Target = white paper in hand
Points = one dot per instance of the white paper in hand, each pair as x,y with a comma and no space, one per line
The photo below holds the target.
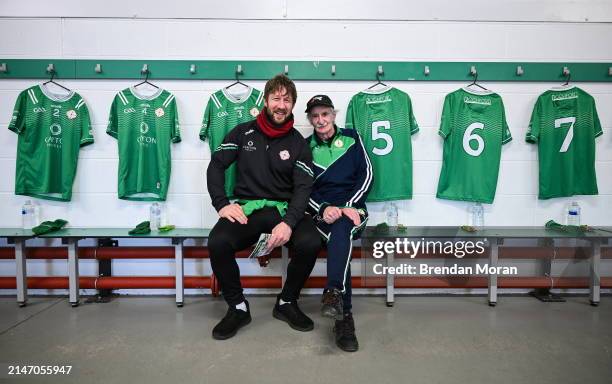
261,247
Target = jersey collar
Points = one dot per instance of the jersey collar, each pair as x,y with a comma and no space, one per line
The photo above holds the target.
145,97
55,96
234,99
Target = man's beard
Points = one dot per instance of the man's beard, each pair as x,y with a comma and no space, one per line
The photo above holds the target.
271,117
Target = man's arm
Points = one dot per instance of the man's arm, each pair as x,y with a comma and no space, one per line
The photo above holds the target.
359,193
302,187
222,157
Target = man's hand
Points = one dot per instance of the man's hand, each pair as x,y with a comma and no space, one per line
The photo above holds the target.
233,212
280,235
331,214
352,214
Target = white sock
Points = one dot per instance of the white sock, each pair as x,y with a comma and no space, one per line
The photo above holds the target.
242,306
281,302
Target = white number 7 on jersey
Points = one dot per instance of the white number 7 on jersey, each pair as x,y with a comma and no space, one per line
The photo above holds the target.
570,134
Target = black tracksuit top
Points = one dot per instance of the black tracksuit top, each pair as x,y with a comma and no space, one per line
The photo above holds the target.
266,168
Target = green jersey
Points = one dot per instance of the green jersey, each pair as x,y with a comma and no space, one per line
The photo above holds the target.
223,112
144,127
385,121
564,124
474,129
51,130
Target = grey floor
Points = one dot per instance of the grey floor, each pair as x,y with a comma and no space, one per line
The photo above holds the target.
420,340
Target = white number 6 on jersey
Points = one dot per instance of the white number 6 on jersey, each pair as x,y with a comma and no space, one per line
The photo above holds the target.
382,136
469,136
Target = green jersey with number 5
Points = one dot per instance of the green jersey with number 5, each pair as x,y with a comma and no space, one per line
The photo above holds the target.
223,113
385,121
474,129
564,124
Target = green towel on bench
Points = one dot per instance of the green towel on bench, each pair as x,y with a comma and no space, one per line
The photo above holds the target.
577,229
141,229
49,226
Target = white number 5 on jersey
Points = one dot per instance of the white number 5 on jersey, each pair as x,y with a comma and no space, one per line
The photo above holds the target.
570,133
382,136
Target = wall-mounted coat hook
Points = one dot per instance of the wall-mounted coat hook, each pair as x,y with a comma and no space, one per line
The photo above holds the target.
333,70
145,69
426,70
98,68
566,71
192,69
380,70
286,70
51,68
519,70
3,68
239,69
609,71
473,70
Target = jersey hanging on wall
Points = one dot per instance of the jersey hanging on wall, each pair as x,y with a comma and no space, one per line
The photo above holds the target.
223,112
51,130
564,124
385,121
144,127
474,129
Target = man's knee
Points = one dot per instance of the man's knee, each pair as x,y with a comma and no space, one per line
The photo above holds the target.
307,243
343,225
220,240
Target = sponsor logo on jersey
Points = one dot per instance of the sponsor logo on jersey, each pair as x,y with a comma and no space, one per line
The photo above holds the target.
55,129
143,139
476,100
254,112
249,132
144,128
339,143
71,114
39,110
249,147
159,112
565,96
54,141
377,99
129,110
222,114
284,155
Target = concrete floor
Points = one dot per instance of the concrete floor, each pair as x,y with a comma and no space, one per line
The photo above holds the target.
420,340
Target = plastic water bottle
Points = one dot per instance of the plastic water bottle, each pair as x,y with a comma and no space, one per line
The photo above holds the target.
28,215
573,214
155,216
391,212
477,211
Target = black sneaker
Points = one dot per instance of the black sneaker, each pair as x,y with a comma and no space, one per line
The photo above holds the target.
345,334
230,324
293,315
332,304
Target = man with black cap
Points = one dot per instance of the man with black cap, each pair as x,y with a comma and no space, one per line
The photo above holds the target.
343,176
273,184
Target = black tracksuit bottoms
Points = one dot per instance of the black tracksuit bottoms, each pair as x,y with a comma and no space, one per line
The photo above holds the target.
226,238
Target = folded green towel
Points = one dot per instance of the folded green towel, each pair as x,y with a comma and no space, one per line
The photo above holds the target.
141,229
381,228
166,228
250,206
49,226
551,224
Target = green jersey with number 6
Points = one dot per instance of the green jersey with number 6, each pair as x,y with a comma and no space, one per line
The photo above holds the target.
564,124
144,126
51,130
474,129
385,121
223,112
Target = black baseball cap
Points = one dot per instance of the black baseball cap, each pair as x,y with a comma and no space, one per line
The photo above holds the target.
318,100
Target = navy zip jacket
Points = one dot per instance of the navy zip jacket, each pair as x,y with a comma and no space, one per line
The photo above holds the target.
342,170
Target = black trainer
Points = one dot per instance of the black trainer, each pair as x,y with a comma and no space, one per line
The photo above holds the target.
345,334
332,304
292,315
233,320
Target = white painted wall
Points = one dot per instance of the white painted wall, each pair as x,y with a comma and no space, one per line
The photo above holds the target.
287,30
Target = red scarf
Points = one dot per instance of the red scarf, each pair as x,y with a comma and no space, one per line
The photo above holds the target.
271,129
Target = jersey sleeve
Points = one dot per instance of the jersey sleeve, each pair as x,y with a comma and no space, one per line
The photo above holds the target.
350,119
86,129
17,123
533,132
175,132
363,183
446,124
597,130
414,126
506,135
206,120
112,127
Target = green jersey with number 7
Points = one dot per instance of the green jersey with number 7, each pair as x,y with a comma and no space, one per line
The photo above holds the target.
385,121
564,124
474,129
